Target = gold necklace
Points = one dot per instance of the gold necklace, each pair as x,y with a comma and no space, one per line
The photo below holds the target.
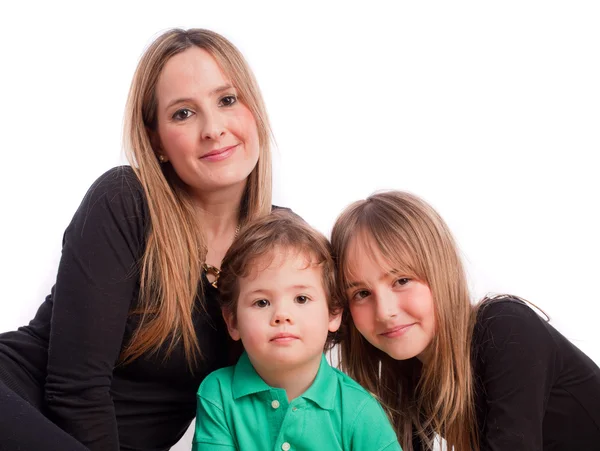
213,270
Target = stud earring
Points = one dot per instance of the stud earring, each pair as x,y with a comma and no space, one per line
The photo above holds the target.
162,158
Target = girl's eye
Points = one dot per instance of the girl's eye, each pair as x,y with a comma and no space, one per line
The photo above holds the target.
402,281
262,303
302,299
228,100
182,114
359,295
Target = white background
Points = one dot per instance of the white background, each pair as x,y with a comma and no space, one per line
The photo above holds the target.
489,111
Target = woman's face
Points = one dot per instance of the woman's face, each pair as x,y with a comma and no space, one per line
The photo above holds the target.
393,311
204,131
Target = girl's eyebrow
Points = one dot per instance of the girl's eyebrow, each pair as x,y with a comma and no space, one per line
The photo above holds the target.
352,285
385,274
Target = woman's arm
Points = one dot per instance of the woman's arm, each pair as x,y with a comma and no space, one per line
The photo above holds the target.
515,368
96,282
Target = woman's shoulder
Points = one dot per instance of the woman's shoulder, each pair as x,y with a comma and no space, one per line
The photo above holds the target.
116,198
118,188
117,180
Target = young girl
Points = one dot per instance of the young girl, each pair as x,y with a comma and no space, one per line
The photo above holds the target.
278,297
494,376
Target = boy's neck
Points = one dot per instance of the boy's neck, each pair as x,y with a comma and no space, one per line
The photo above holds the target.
294,380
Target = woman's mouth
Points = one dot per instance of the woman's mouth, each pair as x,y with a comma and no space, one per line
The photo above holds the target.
219,154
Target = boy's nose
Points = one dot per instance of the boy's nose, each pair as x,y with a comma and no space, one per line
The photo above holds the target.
281,317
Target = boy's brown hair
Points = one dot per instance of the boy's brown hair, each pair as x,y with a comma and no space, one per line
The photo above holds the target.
285,230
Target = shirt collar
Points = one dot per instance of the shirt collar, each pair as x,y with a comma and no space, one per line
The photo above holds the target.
324,389
322,392
246,380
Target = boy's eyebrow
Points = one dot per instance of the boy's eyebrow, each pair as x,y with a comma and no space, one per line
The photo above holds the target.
268,291
302,287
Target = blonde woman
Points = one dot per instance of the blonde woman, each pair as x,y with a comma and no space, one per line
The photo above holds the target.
115,354
495,376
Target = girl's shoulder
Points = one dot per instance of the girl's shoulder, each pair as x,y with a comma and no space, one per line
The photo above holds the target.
504,306
503,321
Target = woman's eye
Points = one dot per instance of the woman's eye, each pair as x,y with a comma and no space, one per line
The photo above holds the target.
301,299
228,100
262,303
182,114
402,281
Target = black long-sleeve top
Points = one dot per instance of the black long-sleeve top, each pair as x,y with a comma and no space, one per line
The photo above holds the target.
534,390
66,361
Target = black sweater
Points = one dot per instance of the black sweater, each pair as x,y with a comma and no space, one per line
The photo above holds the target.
65,362
534,389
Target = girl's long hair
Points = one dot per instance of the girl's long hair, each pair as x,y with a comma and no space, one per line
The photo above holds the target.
175,247
430,400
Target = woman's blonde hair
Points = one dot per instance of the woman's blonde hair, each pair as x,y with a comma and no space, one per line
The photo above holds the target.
433,399
175,246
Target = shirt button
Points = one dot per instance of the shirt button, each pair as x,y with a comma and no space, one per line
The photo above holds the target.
275,405
286,446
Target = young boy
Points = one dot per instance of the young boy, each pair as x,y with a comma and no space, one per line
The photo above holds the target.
278,297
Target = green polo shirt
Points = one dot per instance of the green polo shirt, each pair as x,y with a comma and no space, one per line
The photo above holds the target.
237,410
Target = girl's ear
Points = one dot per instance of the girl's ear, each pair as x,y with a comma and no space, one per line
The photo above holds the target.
231,324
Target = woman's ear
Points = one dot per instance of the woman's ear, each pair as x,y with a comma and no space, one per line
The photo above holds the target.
156,145
229,318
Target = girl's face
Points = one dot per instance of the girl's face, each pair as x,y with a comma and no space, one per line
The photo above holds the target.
208,135
393,311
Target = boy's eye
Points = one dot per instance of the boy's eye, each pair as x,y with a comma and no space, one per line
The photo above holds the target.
182,114
302,299
228,100
262,303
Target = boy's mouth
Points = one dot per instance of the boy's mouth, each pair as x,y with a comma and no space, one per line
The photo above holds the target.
283,337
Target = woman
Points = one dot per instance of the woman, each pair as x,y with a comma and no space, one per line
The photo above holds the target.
494,376
114,356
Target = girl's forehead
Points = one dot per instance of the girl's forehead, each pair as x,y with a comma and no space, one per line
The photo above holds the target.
361,247
364,252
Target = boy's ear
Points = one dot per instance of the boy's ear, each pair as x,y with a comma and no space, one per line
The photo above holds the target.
231,324
335,320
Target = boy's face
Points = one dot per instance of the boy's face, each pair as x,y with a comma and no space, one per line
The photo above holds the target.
282,313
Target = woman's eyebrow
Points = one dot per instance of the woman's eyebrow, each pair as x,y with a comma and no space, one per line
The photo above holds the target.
215,91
